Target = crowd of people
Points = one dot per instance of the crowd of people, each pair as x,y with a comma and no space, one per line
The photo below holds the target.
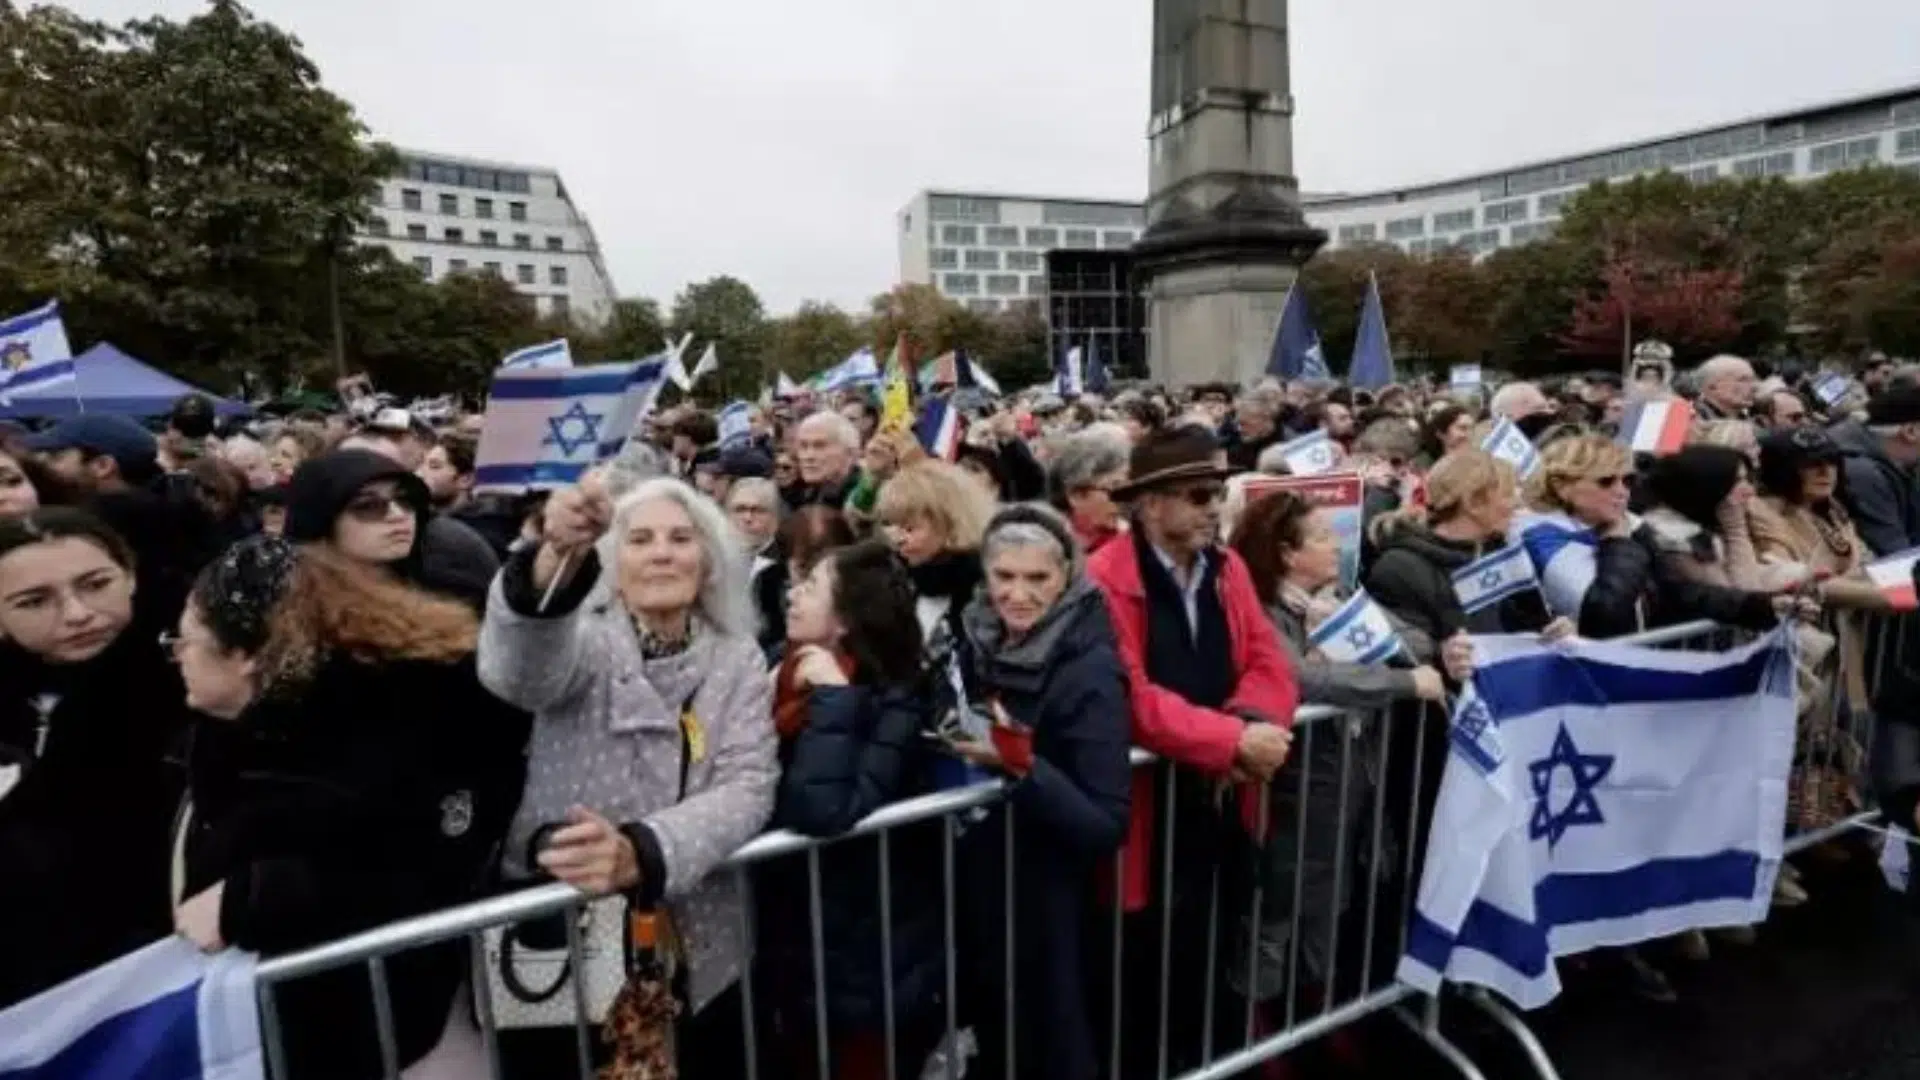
266,686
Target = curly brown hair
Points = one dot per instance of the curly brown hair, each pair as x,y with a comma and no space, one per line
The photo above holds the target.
335,606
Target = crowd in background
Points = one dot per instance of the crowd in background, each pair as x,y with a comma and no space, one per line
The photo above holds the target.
266,686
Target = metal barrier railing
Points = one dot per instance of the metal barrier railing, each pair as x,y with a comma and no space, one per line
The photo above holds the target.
1300,930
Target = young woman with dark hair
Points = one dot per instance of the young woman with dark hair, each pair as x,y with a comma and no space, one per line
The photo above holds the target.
348,771
89,708
850,708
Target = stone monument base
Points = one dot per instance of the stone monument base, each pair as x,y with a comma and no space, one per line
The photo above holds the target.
1214,322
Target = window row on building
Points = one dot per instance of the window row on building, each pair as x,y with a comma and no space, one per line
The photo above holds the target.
425,171
524,274
449,205
1006,236
991,284
983,259
454,234
983,210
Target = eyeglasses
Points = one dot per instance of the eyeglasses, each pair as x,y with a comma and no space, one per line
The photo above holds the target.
371,509
1204,496
1615,480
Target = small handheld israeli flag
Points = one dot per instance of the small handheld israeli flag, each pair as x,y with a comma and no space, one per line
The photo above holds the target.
1358,633
34,350
1508,443
736,423
543,429
1831,387
1490,579
1464,377
1310,454
552,355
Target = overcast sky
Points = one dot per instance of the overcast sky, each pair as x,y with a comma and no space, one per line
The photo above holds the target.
775,139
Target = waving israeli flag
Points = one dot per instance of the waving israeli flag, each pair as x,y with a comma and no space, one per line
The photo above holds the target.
543,429
860,369
552,355
1490,579
1310,454
166,1011
1600,795
1565,557
1511,445
1358,633
736,423
34,350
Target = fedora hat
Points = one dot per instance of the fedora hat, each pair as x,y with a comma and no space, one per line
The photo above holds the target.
1173,456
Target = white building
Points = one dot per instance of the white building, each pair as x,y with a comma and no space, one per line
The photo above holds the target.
978,245
989,251
448,214
1512,206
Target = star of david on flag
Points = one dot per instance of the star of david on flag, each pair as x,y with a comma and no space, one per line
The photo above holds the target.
1358,633
34,350
1581,807
543,428
1508,443
1310,454
1492,578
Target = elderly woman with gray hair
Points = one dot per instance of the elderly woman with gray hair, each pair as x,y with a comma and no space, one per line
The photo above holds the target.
1084,469
1043,663
653,752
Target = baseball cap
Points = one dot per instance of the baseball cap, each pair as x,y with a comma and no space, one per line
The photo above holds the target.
1897,404
130,446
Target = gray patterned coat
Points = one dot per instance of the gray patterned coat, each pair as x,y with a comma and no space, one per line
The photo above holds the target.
606,735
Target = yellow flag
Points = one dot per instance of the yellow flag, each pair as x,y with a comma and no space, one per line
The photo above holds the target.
896,399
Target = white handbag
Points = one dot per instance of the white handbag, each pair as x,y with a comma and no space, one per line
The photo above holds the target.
532,987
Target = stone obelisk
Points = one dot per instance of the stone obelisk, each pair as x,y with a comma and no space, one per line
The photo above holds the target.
1225,237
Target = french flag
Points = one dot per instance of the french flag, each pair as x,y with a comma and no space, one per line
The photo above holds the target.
167,1012
1657,427
1893,576
938,428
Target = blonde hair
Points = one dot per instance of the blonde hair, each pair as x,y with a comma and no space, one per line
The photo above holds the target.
1454,482
334,605
1566,461
944,495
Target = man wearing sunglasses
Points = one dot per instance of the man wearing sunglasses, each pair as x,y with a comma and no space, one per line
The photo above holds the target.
1211,693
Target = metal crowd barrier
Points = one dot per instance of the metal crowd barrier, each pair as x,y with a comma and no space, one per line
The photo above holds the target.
1275,968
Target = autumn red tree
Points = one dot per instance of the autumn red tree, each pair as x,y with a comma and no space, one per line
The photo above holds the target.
1695,311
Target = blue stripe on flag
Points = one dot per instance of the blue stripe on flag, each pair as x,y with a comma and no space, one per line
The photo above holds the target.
159,1040
527,475
1573,899
26,322
53,371
1545,680
582,381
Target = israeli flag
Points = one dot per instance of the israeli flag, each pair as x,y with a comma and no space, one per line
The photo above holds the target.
1600,795
167,1012
34,351
554,354
860,369
542,429
1508,443
1565,557
1490,579
1358,633
1069,374
1831,387
736,423
1310,454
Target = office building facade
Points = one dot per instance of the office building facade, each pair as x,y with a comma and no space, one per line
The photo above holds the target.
1479,214
990,251
961,242
446,215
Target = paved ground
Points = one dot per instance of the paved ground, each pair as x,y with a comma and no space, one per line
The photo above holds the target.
1830,992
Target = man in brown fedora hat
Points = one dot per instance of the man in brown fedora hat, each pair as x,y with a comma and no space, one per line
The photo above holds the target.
1211,694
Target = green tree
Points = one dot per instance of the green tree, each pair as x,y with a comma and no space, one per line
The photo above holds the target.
1019,354
181,186
727,313
635,329
811,340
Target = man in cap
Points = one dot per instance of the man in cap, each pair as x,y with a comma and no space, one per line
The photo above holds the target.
1211,693
1878,485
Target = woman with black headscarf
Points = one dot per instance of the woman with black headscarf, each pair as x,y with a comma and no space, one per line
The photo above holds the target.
1697,513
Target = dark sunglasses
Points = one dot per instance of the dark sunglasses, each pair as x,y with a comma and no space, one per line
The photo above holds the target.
1616,480
1204,496
372,508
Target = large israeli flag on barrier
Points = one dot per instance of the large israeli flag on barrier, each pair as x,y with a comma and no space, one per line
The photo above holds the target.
1601,795
167,1012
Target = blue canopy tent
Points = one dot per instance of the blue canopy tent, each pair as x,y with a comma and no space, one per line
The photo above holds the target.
107,380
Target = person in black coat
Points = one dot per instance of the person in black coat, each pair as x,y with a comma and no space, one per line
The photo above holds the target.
1042,658
348,771
851,710
90,707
